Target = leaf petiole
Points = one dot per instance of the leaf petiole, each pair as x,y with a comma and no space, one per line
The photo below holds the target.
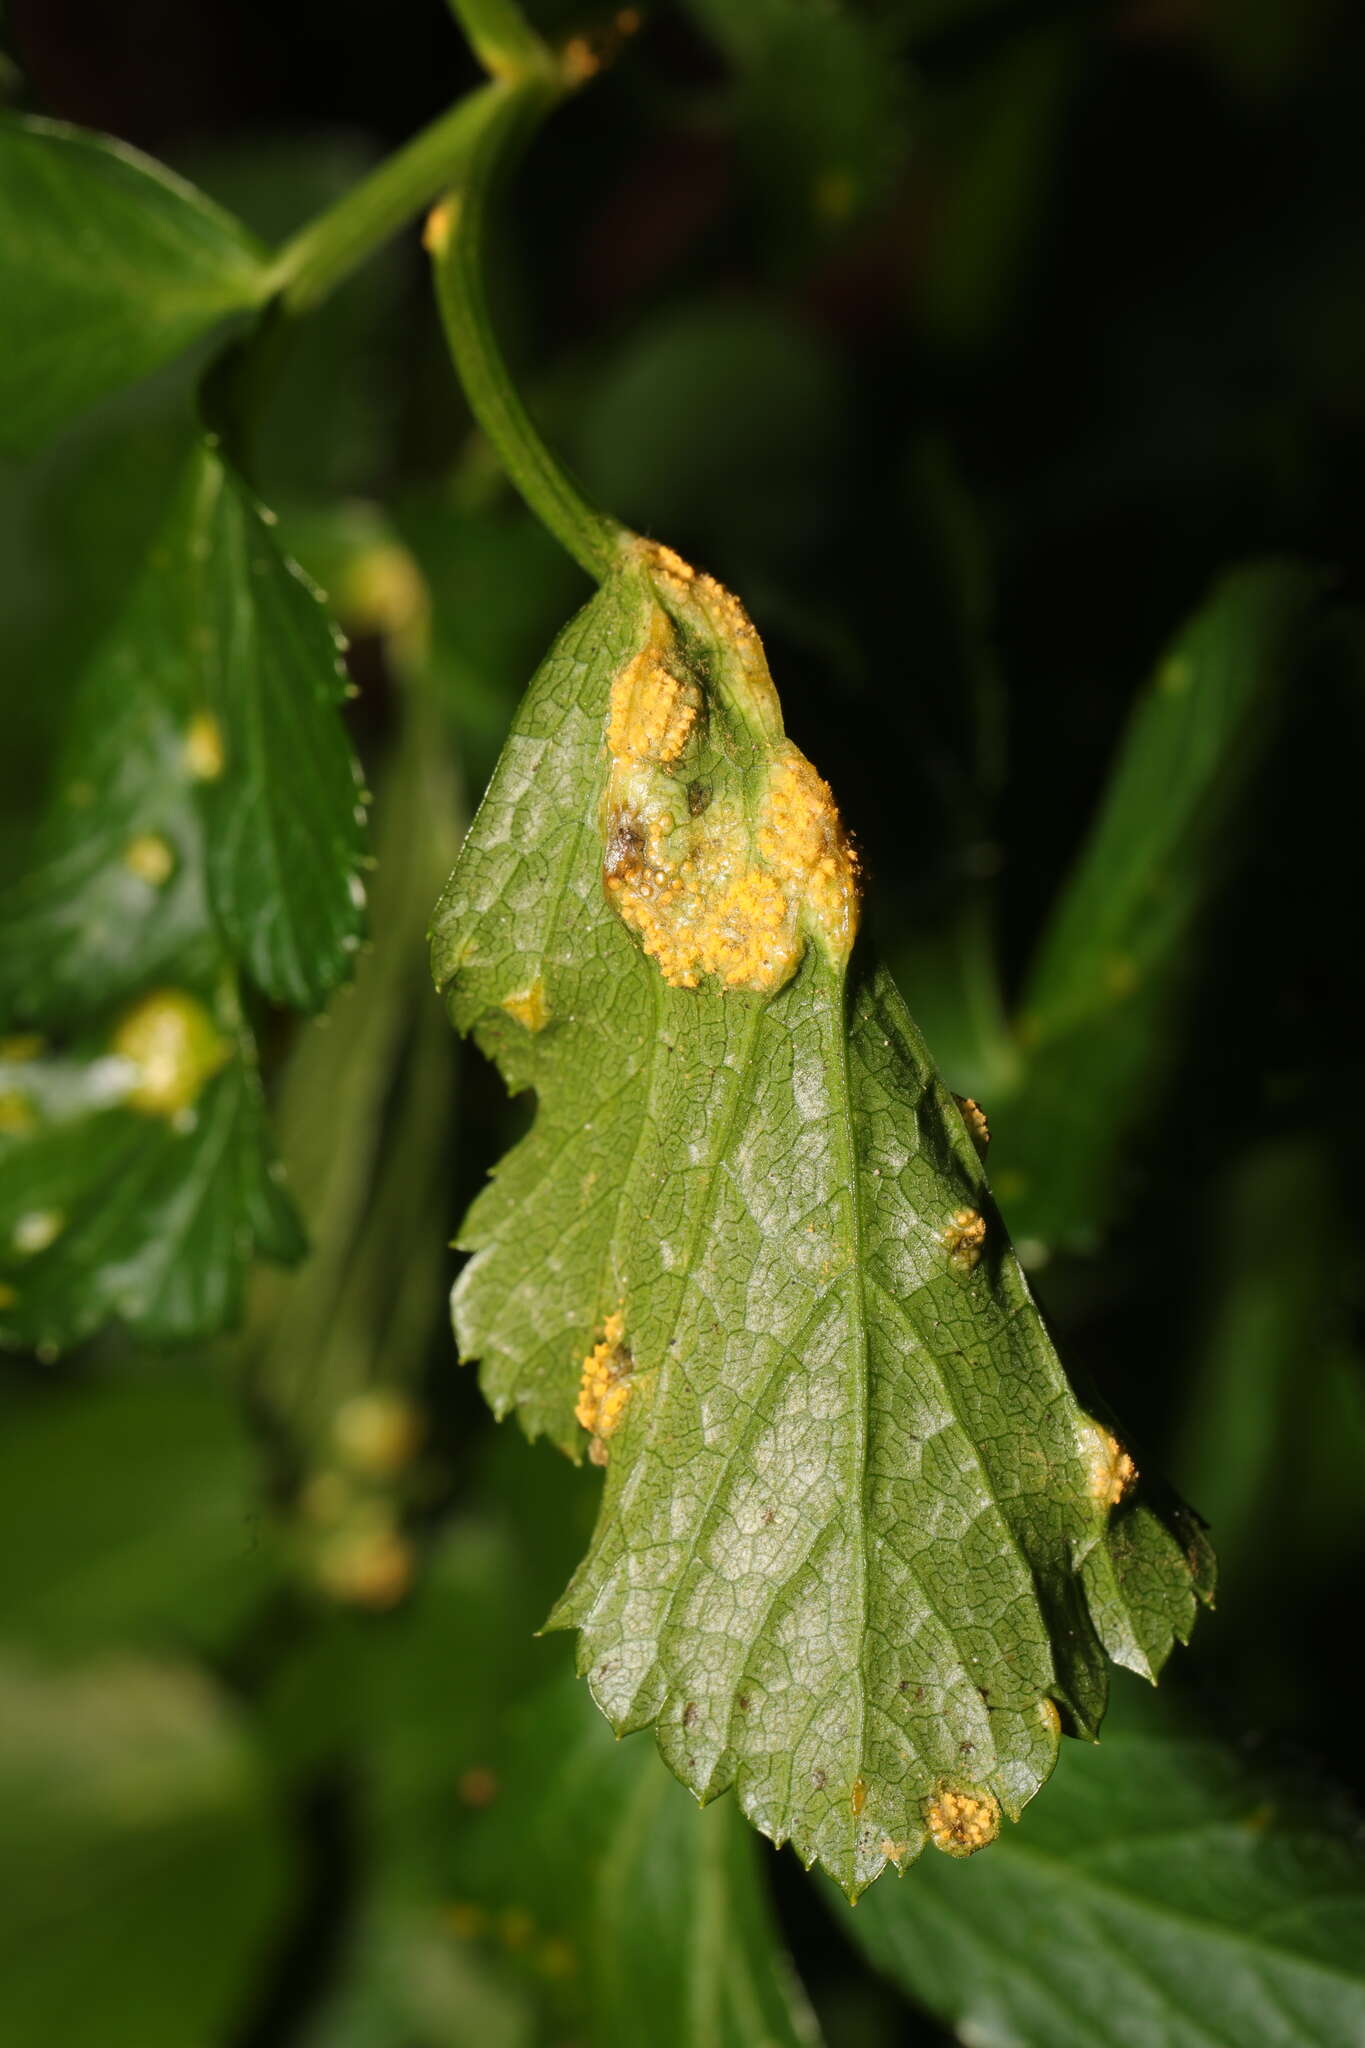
314,261
503,40
455,237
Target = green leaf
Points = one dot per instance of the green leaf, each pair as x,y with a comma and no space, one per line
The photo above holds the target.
1095,1015
76,523
109,265
637,1902
145,1206
139,1500
113,892
335,1354
407,1980
505,1825
747,1248
1169,1889
205,818
285,821
206,788
325,403
142,1869
1274,1364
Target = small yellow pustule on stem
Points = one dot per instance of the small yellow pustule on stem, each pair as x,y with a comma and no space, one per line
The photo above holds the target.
439,225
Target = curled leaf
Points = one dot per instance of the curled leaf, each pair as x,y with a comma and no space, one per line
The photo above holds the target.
747,1253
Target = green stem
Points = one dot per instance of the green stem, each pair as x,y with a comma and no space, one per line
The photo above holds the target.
457,240
501,38
314,261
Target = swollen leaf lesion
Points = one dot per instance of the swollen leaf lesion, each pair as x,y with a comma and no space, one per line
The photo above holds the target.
858,1537
724,852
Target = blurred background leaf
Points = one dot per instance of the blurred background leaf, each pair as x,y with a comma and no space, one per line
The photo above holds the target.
822,106
1097,1025
143,1866
136,1493
109,266
1164,1888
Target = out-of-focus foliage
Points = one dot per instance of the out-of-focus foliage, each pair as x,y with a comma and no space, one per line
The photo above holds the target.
625,1849
144,1869
1096,1024
110,266
204,825
1226,1896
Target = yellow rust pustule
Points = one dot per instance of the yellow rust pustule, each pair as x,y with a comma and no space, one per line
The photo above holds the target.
734,886
151,858
961,1821
964,1237
173,1047
1110,1469
605,1387
653,710
204,752
974,1117
529,1006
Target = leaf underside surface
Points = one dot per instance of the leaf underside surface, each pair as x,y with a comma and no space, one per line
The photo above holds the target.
860,1550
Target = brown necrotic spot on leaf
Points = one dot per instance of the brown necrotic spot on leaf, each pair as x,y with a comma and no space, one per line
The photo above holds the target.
962,1820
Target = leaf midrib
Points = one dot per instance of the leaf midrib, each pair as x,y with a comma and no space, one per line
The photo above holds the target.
838,1067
